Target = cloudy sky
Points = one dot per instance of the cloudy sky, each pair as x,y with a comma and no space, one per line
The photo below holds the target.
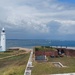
38,19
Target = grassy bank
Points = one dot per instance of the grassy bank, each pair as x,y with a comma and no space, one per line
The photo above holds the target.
45,68
14,65
44,48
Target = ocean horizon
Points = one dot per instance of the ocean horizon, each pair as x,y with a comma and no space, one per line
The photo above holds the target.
30,43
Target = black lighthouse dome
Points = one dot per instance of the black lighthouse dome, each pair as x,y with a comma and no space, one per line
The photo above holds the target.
3,30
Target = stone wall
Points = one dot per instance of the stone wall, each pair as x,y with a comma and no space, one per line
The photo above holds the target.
47,53
65,51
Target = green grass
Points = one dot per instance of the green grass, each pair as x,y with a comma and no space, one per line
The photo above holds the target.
67,61
44,48
4,55
14,65
45,68
10,52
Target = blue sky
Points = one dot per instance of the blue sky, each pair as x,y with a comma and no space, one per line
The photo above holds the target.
67,1
38,19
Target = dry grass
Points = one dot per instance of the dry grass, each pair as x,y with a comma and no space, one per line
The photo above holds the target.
13,65
45,68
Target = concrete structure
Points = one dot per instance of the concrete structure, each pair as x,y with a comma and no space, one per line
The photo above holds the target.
66,51
3,41
55,53
29,65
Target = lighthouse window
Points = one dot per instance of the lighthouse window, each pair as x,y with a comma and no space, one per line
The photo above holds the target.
3,31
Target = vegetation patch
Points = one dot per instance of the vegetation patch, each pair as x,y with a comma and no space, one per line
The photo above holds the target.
52,55
44,48
14,65
45,68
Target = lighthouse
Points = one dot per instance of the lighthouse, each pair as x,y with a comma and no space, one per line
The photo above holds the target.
3,40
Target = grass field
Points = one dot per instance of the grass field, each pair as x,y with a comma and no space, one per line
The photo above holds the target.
45,68
14,65
9,53
4,55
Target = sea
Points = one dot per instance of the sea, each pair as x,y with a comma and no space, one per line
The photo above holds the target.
30,43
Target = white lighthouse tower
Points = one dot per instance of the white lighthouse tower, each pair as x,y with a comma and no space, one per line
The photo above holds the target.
3,40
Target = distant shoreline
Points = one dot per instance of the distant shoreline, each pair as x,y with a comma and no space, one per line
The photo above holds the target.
30,43
25,48
20,48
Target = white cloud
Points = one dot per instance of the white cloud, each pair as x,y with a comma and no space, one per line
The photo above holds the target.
34,16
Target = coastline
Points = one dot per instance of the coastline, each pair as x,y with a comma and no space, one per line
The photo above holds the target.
30,49
73,48
20,48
